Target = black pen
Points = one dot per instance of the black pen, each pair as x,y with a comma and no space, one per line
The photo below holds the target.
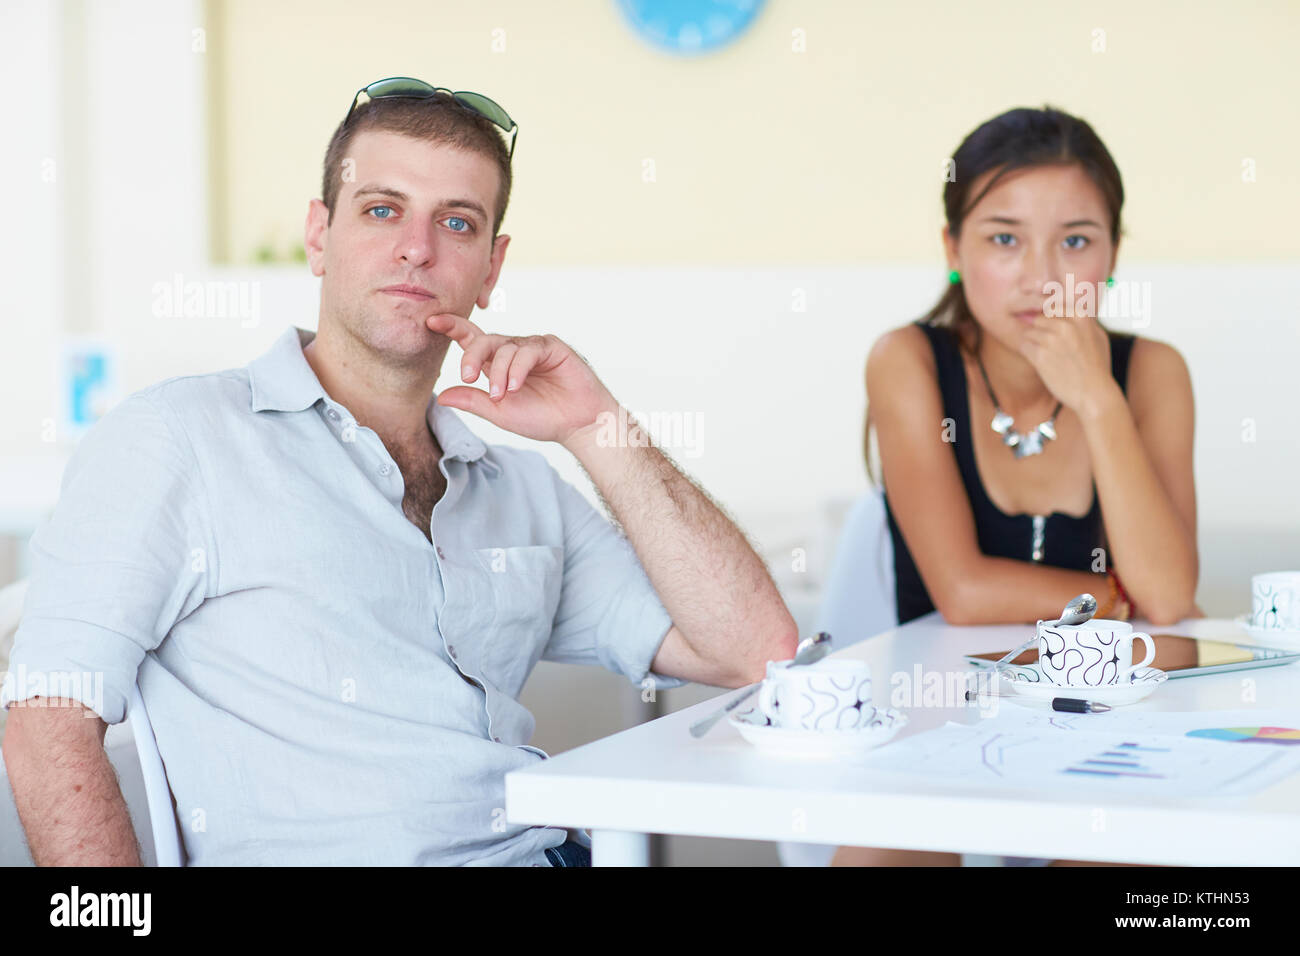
1072,706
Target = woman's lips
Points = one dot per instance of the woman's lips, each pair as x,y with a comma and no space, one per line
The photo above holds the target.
1028,317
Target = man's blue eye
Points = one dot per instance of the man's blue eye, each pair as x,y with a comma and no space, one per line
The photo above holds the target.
1081,245
999,236
377,208
463,222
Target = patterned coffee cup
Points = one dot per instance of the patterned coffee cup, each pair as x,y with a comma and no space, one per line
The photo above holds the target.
1095,653
1275,600
828,695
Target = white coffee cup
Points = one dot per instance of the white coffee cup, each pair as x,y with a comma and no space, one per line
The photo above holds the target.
832,694
1275,601
1095,653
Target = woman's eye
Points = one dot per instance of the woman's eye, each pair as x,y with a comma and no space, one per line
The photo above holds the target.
457,224
1083,241
1010,238
378,209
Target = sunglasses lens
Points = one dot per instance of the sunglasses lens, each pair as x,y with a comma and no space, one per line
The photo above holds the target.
399,86
485,107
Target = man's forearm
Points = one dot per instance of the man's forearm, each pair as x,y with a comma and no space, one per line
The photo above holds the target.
65,790
715,587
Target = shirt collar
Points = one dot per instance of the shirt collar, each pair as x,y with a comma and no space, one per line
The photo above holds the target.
454,437
282,380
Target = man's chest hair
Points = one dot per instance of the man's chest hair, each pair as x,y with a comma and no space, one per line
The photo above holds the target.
421,477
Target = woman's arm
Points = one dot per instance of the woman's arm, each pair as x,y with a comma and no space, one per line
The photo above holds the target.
1142,463
928,500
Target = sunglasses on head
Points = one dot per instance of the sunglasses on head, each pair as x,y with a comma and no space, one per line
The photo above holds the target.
405,86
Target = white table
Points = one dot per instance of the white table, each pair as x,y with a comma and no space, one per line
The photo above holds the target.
657,778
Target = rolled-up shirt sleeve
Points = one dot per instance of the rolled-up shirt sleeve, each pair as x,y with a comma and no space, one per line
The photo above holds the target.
609,614
125,554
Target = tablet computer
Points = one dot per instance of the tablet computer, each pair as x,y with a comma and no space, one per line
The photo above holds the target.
1181,656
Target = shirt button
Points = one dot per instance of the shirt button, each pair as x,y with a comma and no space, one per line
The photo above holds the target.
497,739
385,469
333,414
440,554
451,650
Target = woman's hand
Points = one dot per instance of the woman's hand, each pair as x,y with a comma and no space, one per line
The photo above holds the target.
1072,357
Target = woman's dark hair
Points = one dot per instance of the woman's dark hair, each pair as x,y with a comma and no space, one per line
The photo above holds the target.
1016,139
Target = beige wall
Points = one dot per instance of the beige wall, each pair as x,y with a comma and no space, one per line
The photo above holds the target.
768,156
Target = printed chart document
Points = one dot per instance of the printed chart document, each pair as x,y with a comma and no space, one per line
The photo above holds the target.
1155,753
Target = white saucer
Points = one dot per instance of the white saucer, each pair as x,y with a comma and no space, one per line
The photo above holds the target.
1028,681
1269,636
787,741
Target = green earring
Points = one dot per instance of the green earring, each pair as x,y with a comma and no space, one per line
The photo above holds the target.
1110,280
954,277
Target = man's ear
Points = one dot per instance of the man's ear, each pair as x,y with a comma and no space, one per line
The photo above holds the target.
315,233
498,259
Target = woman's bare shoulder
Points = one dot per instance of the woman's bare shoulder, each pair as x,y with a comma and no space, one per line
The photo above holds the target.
1155,357
898,356
1157,373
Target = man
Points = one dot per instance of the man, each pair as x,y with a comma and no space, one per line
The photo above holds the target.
330,591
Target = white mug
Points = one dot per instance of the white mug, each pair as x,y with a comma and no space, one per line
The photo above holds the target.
828,695
1275,600
1095,653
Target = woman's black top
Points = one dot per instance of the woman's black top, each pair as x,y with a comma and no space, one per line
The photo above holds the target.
1056,539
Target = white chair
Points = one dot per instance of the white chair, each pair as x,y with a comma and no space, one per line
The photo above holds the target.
11,612
859,598
162,811
130,747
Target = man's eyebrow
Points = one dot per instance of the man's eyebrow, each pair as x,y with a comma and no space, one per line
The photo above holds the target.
1073,224
374,189
469,204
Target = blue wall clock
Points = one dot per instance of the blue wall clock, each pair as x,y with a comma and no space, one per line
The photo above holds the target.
690,26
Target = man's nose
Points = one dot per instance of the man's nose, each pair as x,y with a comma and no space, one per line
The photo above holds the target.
416,245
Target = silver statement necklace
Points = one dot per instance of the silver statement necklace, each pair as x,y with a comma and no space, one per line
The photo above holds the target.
1023,444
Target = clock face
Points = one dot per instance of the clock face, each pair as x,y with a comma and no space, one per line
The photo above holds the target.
690,26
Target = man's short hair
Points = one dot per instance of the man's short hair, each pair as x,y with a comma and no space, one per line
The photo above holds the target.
437,119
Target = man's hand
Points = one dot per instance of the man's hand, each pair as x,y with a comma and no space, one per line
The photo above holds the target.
538,386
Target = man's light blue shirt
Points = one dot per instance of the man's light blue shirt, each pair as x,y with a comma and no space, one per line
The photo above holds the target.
326,686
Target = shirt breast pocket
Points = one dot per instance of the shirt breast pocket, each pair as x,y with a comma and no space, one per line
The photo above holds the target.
525,586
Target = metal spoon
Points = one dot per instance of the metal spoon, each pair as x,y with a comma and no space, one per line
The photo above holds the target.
810,650
1080,609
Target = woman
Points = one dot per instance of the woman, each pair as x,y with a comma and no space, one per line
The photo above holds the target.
1029,454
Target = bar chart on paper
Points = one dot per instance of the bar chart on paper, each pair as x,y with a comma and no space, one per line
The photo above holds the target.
1153,754
1127,759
